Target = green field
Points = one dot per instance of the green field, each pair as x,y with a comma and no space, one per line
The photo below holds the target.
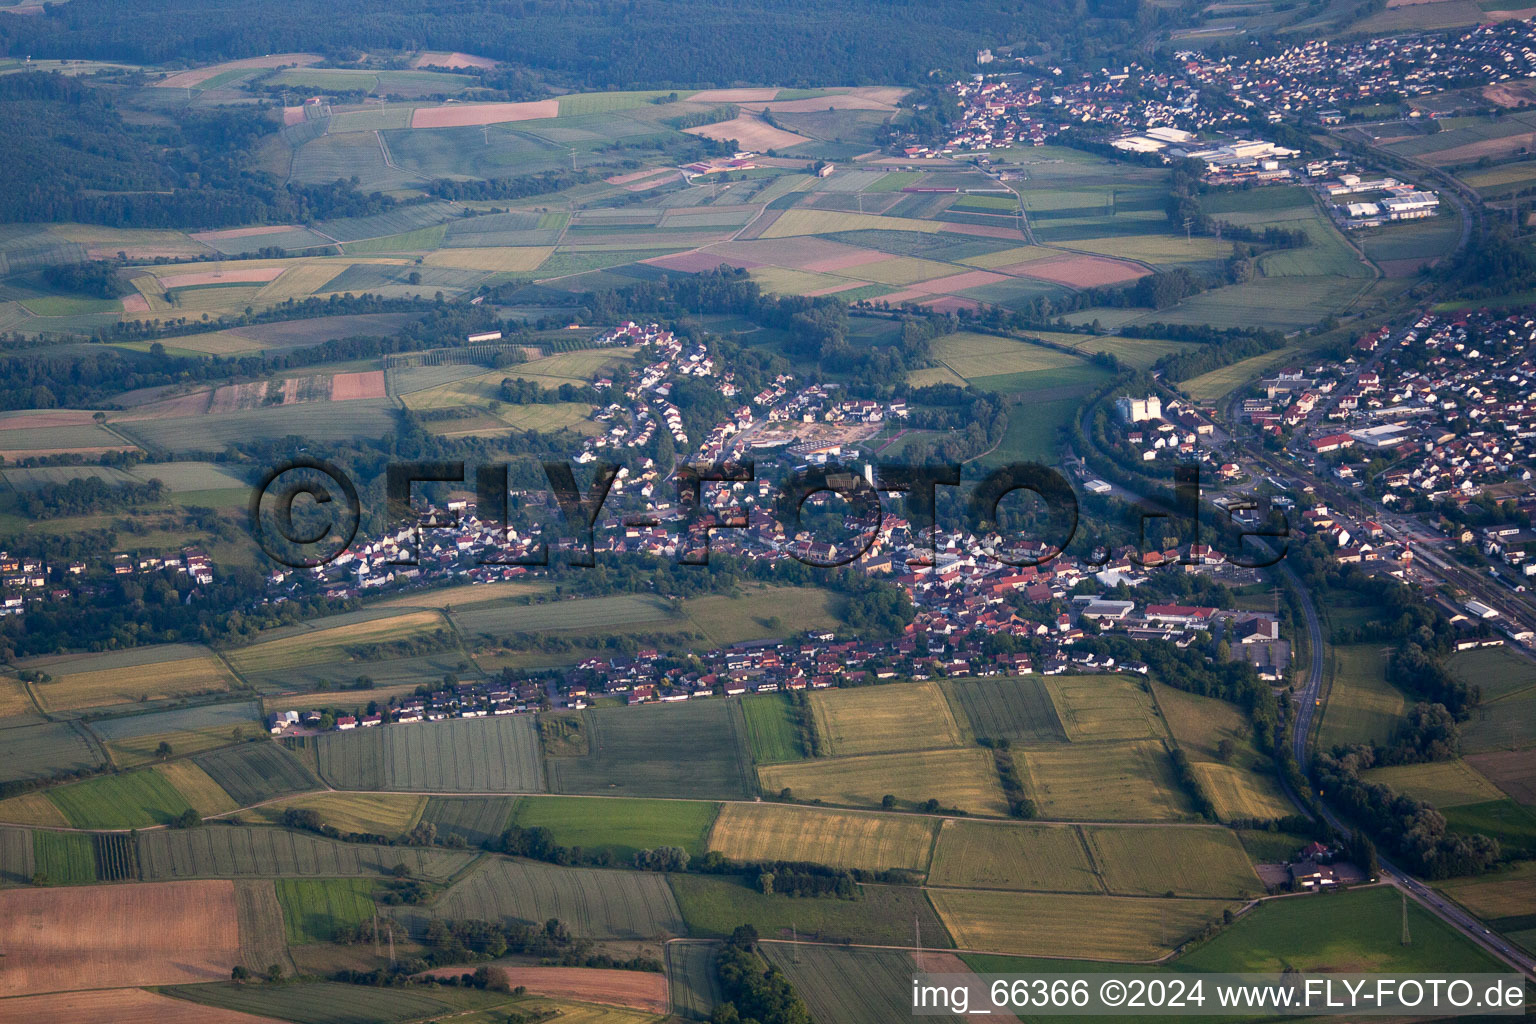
64,858
882,915
130,800
635,752
1512,825
253,772
987,855
635,905
315,909
1442,783
228,851
620,827
485,755
1362,707
1496,671
772,729
841,839
850,986
326,1002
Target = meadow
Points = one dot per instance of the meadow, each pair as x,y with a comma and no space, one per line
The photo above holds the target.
321,642
841,839
1494,670
128,800
965,779
773,733
1505,724
487,755
1362,707
316,909
1108,782
849,986
231,851
633,752
1191,861
1104,707
884,719
995,855
620,827
1442,783
44,750
634,905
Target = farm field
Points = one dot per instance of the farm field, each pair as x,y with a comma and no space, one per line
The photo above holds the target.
1506,724
1109,781
135,739
1138,352
1104,707
253,772
621,827
1496,671
883,915
1362,706
1194,861
129,800
315,909
773,733
1239,793
1442,783
17,856
1199,723
840,839
64,858
1505,900
632,752
692,983
983,355
486,755
329,1002
988,855
595,903
1511,770
852,986
44,750
1016,708
475,820
884,719
964,779
320,642
230,851
151,933
384,814
121,1005
1512,825
32,809
120,677
1088,927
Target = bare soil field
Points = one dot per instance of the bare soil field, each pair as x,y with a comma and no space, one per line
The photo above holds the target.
238,275
642,990
459,115
121,1005
699,262
148,933
348,387
1082,271
749,133
190,79
135,303
1513,771
959,282
733,95
1506,145
838,101
263,229
451,60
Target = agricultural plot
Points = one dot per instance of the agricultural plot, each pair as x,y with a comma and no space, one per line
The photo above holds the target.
314,421
1506,724
120,677
965,779
322,641
476,820
1138,352
1088,927
380,814
635,905
329,158
696,749
1110,782
882,915
64,858
230,851
884,719
1494,670
1200,723
1362,707
117,935
981,355
135,739
1505,899
116,860
692,983
329,1002
32,809
1284,303
40,751
1442,783
316,909
851,986
1191,861
129,800
17,863
125,1005
773,732
1104,707
1239,794
620,827
994,855
487,755
840,839
253,772
1512,825
1513,771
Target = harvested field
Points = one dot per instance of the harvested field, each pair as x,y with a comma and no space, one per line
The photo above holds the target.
1441,783
192,79
634,752
862,986
692,983
839,839
1104,707
1079,271
1241,794
1016,708
122,677
1081,927
348,387
230,851
196,787
733,95
233,275
382,814
134,739
594,903
473,819
263,939
459,115
487,755
501,260
1196,861
40,751
1111,782
149,933
434,59
749,133
1513,771
637,989
883,914
319,643
32,809
964,778
882,719
120,1005
994,855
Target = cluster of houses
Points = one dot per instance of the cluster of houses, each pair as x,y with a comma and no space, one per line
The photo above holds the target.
25,580
1155,428
462,700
